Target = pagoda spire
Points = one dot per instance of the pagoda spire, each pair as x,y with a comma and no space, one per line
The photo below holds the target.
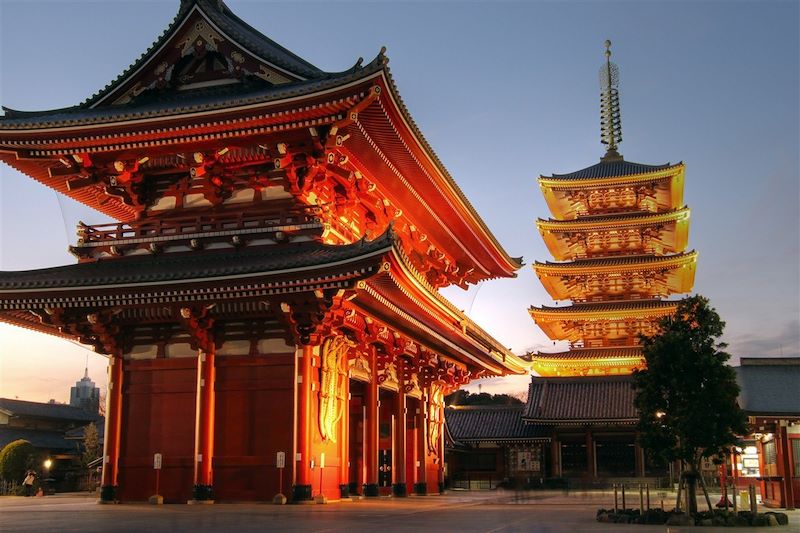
610,119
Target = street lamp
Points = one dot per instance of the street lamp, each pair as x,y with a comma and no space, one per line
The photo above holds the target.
47,464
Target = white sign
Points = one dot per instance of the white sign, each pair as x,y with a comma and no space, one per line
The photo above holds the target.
157,461
280,460
322,460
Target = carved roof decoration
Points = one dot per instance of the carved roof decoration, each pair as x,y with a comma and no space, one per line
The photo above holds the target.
608,309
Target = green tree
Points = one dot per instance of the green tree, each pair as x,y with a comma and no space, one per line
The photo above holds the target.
686,397
15,459
91,444
462,397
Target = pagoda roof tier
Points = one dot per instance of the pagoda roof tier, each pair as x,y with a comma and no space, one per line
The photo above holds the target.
617,320
647,274
355,118
588,362
623,233
590,400
611,169
252,281
657,189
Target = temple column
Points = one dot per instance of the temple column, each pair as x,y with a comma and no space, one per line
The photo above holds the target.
591,460
399,488
371,425
421,486
301,490
113,427
440,446
204,427
555,456
639,453
344,450
784,464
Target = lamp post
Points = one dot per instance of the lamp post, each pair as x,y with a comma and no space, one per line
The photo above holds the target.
47,464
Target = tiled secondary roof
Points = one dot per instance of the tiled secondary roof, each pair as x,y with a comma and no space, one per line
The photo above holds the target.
188,265
598,400
769,386
473,423
43,440
619,261
20,408
624,352
620,305
609,169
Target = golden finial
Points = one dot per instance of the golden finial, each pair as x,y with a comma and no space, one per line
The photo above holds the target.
610,119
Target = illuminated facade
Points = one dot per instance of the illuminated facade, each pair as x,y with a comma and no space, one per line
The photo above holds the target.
271,282
619,234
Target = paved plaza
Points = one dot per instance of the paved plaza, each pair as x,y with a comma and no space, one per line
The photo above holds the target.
487,512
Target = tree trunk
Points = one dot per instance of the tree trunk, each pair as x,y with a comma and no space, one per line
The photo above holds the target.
705,493
691,489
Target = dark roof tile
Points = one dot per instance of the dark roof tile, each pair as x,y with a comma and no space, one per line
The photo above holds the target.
188,265
608,169
769,386
22,408
474,423
585,399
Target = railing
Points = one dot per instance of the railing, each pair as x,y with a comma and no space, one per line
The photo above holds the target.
172,228
476,481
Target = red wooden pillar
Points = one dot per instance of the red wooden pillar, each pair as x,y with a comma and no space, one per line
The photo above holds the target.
440,446
302,484
113,428
784,465
204,426
344,450
371,431
591,460
399,488
555,456
639,451
421,486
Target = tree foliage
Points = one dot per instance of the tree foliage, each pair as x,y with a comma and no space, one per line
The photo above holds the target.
687,395
15,459
91,444
462,397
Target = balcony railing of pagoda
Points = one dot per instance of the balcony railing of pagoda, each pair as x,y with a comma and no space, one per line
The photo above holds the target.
154,234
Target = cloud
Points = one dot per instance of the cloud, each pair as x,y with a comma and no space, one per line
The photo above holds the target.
785,344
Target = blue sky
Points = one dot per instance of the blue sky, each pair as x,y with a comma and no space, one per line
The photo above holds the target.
504,91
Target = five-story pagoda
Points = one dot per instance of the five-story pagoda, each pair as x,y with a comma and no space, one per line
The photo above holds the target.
619,233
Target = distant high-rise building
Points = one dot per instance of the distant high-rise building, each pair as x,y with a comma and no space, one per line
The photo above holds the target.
85,394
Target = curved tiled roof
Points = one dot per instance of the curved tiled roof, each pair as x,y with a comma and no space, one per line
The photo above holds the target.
596,400
475,423
618,305
608,169
188,265
625,352
769,386
610,221
56,411
618,263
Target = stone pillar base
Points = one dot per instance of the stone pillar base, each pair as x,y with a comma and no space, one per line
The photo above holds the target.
108,494
421,489
301,493
201,493
344,490
371,490
400,490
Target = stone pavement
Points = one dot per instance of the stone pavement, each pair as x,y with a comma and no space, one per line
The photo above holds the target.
485,512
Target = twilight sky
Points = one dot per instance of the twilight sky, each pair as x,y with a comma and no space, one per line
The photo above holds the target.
504,92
